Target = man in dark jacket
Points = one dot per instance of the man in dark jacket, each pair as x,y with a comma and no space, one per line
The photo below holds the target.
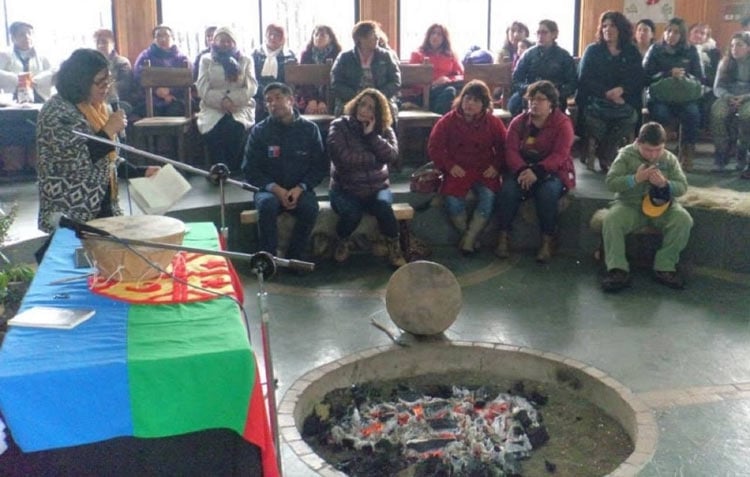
284,159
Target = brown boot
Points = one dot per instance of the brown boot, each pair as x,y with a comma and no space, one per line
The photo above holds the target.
395,256
503,249
687,152
545,251
343,250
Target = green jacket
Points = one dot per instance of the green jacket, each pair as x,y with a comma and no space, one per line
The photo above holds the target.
621,175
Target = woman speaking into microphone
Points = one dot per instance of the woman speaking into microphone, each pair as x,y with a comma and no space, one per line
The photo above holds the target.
78,176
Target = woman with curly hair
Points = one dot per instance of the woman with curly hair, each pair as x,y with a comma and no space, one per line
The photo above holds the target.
436,49
322,48
467,146
362,145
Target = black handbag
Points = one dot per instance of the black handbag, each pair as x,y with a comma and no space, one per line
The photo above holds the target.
607,110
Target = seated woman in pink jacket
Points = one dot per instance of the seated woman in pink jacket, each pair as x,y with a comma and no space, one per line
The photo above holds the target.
467,146
538,164
447,70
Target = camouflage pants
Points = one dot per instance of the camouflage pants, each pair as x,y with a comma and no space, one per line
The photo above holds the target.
725,127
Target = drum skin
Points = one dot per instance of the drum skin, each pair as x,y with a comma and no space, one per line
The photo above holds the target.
423,298
118,262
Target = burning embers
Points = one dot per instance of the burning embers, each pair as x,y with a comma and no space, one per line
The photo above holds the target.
440,429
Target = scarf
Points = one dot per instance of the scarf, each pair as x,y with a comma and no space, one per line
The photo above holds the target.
271,65
319,55
24,56
157,53
229,60
97,117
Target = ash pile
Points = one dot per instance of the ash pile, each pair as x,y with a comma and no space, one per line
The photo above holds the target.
443,430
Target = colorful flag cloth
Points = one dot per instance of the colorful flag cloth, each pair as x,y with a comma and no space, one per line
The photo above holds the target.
151,370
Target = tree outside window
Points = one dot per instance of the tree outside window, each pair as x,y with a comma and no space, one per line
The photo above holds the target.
189,23
299,17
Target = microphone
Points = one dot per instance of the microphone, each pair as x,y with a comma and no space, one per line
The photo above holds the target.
115,104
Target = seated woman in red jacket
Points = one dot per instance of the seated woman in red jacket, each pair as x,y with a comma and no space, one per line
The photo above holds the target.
447,70
538,164
362,145
467,146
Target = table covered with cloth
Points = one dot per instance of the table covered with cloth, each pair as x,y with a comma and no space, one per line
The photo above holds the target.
131,370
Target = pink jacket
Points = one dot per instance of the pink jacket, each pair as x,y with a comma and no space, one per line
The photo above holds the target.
474,146
442,65
553,143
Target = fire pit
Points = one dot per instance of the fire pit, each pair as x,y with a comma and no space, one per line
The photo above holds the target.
633,432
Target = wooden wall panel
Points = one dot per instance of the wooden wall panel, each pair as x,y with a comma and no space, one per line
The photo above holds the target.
135,19
384,12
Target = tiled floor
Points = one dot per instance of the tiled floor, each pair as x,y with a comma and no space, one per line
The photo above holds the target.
684,353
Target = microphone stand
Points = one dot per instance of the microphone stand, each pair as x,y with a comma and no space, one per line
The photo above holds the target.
219,173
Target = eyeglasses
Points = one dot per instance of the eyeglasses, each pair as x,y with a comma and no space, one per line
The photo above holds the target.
542,32
105,82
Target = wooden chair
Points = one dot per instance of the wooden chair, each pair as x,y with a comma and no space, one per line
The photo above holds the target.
415,77
147,130
318,76
496,76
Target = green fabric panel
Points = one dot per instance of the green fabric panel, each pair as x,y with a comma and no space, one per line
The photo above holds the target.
190,366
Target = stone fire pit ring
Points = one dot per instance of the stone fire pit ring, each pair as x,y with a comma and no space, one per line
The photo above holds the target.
393,362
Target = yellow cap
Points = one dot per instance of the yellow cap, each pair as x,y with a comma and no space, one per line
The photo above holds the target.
654,206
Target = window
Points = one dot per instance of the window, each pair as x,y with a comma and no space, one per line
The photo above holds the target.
298,17
531,12
466,22
62,27
189,23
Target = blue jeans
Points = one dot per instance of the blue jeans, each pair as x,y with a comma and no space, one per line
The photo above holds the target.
515,104
269,207
688,114
546,193
351,208
485,197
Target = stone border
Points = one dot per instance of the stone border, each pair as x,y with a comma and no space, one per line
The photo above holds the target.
387,362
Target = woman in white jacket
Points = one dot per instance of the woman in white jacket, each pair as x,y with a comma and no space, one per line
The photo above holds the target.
226,85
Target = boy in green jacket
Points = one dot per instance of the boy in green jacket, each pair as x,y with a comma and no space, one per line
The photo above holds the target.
646,178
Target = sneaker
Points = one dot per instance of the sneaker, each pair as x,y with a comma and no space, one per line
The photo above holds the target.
616,280
670,279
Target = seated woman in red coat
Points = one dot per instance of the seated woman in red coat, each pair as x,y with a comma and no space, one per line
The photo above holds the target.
447,70
362,144
538,164
467,146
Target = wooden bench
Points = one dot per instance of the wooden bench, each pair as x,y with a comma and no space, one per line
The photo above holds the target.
415,77
495,76
324,238
317,76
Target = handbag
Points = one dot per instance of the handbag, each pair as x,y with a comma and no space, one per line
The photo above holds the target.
676,90
426,179
607,110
